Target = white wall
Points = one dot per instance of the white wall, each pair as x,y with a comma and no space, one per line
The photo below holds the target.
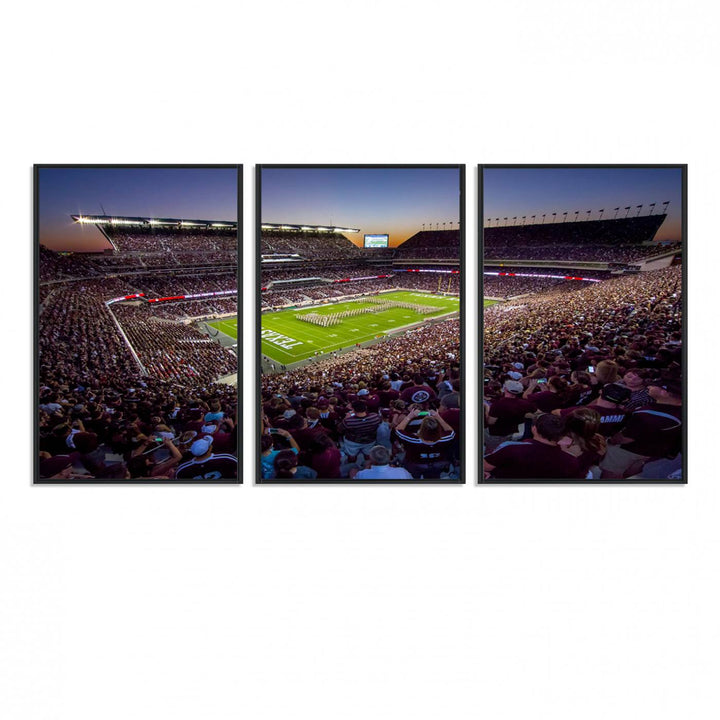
358,602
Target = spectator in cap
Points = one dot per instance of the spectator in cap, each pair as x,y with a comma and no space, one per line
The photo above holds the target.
650,433
610,407
379,467
506,414
206,465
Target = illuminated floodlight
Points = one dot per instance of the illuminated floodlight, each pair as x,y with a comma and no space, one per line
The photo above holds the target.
91,220
220,225
184,223
287,227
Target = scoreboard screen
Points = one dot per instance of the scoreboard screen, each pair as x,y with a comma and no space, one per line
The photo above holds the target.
377,241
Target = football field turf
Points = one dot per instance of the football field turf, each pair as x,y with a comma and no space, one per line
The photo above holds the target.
227,326
288,340
488,303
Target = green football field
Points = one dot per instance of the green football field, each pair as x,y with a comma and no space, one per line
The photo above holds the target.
488,303
287,340
228,326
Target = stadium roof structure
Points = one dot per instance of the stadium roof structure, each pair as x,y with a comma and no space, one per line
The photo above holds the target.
119,221
306,228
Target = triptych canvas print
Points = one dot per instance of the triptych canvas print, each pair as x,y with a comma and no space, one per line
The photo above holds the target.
360,332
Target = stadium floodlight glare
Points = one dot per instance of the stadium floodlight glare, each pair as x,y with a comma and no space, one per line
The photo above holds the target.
90,220
308,228
220,225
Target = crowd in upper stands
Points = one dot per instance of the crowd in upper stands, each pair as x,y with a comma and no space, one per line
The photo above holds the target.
309,245
586,383
171,241
101,415
589,253
619,240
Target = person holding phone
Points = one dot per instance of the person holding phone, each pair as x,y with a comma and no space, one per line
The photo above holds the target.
427,454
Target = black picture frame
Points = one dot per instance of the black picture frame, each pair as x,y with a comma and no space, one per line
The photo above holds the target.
37,168
684,270
258,479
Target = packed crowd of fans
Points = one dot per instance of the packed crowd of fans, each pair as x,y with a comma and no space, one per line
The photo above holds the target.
389,411
586,253
171,241
586,383
100,415
54,267
182,310
611,240
173,350
331,271
512,286
121,426
311,245
437,244
186,284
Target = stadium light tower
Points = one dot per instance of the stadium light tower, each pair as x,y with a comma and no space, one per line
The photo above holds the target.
616,212
523,219
554,214
665,206
627,210
532,217
577,212
588,215
639,208
444,226
652,208
515,220
505,221
565,216
602,210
